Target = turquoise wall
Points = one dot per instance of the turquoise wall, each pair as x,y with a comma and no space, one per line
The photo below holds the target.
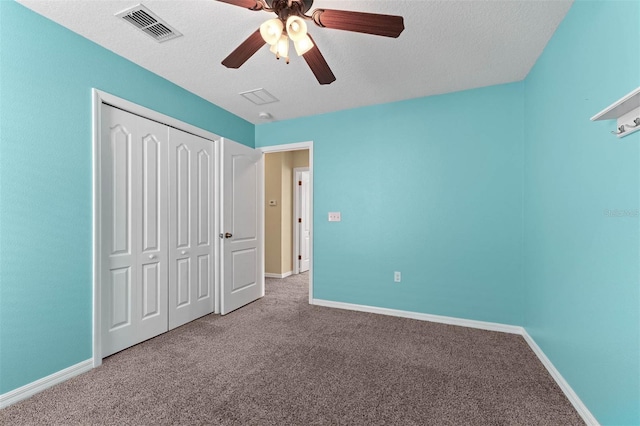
581,263
430,187
491,202
442,189
45,176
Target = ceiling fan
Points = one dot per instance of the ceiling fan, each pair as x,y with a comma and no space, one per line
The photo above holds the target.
290,24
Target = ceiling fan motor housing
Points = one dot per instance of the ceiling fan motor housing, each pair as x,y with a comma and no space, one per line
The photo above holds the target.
304,5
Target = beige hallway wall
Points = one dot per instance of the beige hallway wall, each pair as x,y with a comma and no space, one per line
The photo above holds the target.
279,218
272,214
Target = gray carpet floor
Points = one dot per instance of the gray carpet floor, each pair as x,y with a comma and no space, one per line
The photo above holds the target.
280,361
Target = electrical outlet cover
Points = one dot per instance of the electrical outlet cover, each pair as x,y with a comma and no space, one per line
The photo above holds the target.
334,217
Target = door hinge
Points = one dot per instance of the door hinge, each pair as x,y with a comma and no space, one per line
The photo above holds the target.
299,183
299,257
299,220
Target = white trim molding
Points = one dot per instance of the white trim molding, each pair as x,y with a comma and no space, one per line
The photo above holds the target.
571,395
483,325
33,388
573,398
283,275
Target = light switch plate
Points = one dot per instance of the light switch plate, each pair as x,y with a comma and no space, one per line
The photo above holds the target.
334,217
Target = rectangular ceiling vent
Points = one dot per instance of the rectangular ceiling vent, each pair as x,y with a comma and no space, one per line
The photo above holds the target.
150,24
259,96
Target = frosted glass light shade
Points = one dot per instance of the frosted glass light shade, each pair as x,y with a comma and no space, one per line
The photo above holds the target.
296,28
283,46
271,31
303,45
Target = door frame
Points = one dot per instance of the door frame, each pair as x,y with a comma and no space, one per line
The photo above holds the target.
298,147
98,98
296,214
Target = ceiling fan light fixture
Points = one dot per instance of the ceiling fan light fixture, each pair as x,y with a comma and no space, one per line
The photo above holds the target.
271,31
303,45
296,28
291,24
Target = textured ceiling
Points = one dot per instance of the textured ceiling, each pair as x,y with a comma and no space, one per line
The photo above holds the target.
447,46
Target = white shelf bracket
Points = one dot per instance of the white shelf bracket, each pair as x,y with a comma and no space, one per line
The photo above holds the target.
627,113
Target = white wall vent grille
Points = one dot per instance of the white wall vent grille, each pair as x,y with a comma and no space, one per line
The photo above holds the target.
147,22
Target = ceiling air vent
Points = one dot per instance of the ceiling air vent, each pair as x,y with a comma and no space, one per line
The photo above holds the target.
147,22
259,96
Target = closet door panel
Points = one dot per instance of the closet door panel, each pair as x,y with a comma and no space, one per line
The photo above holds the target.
151,291
120,298
120,176
191,176
133,265
182,218
183,283
151,192
204,180
204,268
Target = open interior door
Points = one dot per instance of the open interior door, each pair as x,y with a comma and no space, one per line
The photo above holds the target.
304,230
241,226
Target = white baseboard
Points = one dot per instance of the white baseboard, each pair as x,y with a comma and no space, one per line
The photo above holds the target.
32,388
285,275
573,398
483,325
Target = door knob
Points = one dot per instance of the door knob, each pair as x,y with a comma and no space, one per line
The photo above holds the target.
228,235
183,252
152,256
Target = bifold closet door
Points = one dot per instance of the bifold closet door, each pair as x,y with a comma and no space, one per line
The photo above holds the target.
191,229
134,245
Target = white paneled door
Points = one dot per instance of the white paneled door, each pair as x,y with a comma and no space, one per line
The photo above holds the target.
241,226
191,256
134,248
304,222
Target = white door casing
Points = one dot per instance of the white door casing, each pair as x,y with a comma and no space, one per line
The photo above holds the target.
191,257
134,253
295,147
242,235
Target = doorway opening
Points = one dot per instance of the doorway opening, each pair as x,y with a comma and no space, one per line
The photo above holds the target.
289,211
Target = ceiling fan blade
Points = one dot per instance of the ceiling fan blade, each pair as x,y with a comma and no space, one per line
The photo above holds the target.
244,51
247,4
318,65
360,22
